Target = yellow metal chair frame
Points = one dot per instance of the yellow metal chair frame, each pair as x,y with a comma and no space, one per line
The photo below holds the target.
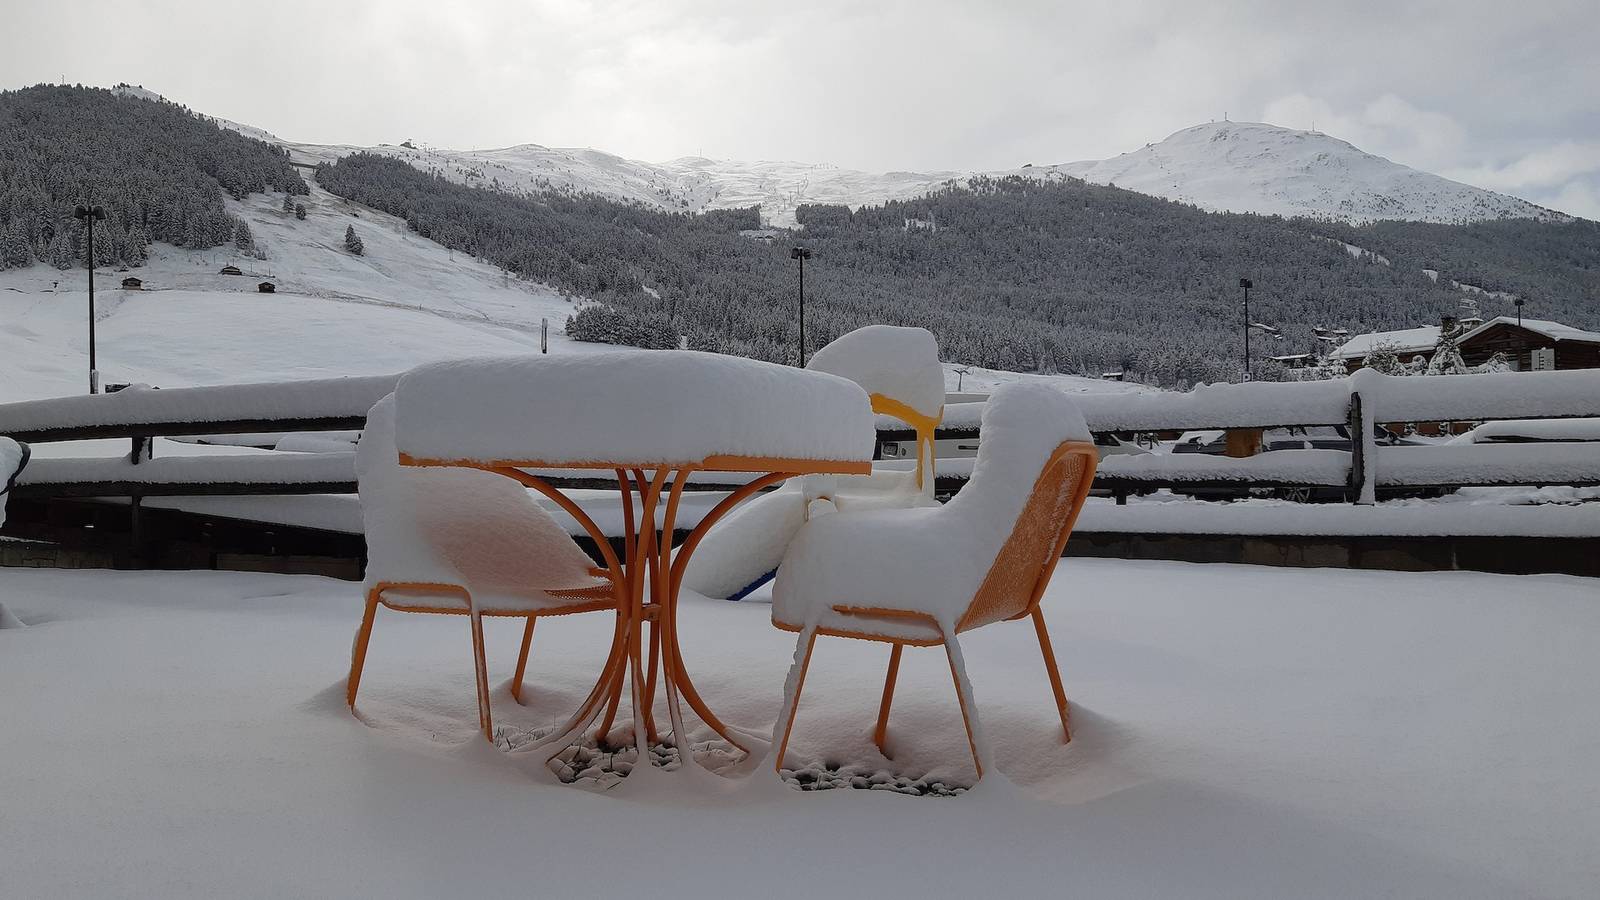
923,425
1011,590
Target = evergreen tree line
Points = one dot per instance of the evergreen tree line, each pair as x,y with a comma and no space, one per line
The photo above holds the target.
1009,273
158,169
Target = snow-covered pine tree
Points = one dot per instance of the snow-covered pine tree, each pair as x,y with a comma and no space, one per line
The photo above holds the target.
1446,358
1383,358
288,203
352,241
300,211
242,237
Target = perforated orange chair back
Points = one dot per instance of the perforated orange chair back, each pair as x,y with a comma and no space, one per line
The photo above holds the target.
1020,572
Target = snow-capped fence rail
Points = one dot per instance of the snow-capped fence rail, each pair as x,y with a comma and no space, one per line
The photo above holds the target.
329,404
1358,404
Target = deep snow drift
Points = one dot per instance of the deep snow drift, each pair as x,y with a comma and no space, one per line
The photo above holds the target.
1240,732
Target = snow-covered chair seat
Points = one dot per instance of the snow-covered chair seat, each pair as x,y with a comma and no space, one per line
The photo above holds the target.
920,577
13,459
900,371
462,542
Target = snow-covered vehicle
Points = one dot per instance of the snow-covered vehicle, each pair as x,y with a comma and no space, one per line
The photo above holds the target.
1532,431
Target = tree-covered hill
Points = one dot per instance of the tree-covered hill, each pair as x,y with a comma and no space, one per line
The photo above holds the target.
1009,273
158,169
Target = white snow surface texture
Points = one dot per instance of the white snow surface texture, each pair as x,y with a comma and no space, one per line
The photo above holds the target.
930,560
463,527
667,407
10,458
898,362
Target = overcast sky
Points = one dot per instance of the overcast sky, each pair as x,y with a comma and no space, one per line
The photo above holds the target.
1504,95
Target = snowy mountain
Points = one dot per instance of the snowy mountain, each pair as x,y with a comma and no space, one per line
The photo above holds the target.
1252,167
1220,166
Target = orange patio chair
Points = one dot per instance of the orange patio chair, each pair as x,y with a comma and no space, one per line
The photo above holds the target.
462,542
920,577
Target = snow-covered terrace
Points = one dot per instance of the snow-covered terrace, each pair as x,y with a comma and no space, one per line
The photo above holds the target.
1239,732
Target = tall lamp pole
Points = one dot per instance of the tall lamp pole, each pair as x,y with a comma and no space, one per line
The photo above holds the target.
1246,285
1518,304
802,254
90,215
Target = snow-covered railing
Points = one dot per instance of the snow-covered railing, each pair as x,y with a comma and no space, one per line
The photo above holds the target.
255,414
328,404
226,474
1359,403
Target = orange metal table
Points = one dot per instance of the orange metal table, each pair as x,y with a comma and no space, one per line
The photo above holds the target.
646,656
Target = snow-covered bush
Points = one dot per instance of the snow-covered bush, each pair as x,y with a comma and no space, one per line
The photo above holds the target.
599,323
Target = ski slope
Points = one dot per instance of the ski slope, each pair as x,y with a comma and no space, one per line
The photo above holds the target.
405,302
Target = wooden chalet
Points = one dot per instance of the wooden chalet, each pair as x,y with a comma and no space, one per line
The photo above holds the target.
1528,345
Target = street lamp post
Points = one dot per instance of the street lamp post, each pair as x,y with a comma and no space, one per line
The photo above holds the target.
1518,304
802,254
1246,285
90,215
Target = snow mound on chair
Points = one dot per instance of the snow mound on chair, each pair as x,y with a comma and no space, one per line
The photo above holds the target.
899,363
442,525
746,545
10,460
929,560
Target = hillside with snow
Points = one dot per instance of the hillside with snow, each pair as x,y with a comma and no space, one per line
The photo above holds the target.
1220,166
405,301
1257,168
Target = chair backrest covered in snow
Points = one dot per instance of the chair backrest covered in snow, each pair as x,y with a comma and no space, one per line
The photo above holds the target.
438,525
1034,468
889,361
899,369
13,457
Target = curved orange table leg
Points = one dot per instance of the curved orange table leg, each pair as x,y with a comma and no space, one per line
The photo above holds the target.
616,660
670,648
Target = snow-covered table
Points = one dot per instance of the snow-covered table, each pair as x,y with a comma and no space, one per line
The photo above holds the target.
652,419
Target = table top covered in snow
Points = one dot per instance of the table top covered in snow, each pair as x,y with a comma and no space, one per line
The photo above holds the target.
668,408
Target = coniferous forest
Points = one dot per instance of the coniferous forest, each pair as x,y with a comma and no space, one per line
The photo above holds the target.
159,170
1009,273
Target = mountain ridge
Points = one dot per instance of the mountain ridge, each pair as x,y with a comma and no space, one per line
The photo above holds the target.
1244,167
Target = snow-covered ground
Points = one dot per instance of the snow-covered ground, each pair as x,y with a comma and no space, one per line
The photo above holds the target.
1240,732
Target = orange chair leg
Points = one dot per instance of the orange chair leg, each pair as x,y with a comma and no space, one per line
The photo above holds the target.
794,705
951,651
522,659
481,667
358,654
1055,674
881,734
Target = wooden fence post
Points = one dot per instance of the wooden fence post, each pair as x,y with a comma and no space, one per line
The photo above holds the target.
1363,450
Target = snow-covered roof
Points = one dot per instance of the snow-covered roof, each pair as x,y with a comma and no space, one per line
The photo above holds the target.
1406,339
1552,330
1424,338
